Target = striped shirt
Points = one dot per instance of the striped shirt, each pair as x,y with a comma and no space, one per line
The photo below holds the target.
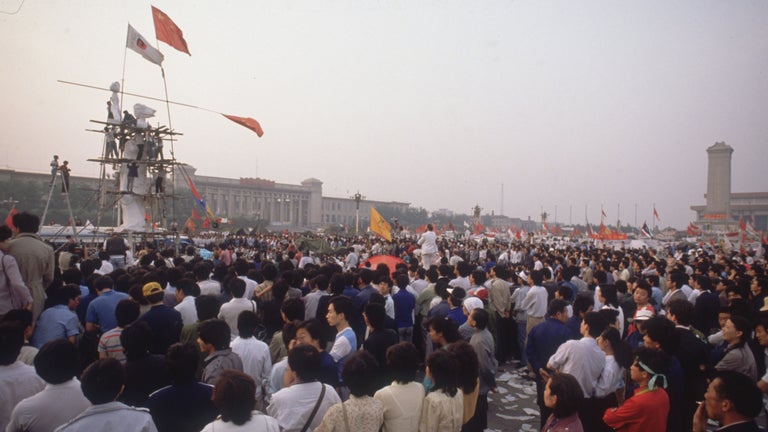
110,346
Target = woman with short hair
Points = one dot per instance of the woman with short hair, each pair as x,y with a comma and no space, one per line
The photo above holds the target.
563,395
235,397
361,412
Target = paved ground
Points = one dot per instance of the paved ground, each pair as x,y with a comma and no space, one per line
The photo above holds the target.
513,406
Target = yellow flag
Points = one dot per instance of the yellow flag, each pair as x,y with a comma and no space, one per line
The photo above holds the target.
379,225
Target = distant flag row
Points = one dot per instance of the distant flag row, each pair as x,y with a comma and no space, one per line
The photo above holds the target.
167,31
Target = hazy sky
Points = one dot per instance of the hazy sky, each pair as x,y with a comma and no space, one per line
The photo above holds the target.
437,103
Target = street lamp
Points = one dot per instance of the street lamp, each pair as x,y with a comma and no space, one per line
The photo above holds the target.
357,197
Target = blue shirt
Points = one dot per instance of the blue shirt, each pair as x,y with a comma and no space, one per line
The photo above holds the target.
101,310
405,302
544,340
57,322
457,315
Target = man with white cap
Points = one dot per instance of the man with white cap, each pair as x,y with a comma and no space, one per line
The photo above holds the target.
468,306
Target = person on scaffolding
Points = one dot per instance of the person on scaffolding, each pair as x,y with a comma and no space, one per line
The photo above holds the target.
109,133
64,168
159,180
54,168
133,173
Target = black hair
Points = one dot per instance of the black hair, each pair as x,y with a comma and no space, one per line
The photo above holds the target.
26,222
188,287
293,309
357,372
207,307
237,287
742,325
376,314
402,362
609,293
126,312
11,341
621,351
469,365
315,329
683,310
479,277
181,361
22,317
661,330
442,365
215,332
445,326
235,396
556,306
102,381
742,391
655,360
481,318
596,323
305,361
343,305
569,394
537,277
103,282
136,340
581,304
247,323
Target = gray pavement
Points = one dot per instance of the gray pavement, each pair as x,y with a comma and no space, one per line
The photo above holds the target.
512,407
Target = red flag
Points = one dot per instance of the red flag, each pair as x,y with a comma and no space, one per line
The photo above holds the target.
9,219
518,235
190,224
167,31
742,224
656,214
195,216
479,228
247,122
206,223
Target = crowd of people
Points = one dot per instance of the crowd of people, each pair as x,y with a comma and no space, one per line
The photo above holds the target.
259,333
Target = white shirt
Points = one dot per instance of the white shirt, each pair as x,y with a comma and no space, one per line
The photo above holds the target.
230,310
311,301
419,285
250,285
610,379
106,268
276,377
581,358
17,381
292,406
187,310
112,417
428,243
535,302
258,422
49,409
210,287
256,360
402,406
460,282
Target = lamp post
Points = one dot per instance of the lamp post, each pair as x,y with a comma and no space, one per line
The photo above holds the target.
357,197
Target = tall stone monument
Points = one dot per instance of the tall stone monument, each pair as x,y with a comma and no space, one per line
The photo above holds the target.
719,182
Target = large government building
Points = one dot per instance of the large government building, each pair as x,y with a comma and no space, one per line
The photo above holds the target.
284,206
724,209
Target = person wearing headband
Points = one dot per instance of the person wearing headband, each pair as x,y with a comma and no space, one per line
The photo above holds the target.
648,408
